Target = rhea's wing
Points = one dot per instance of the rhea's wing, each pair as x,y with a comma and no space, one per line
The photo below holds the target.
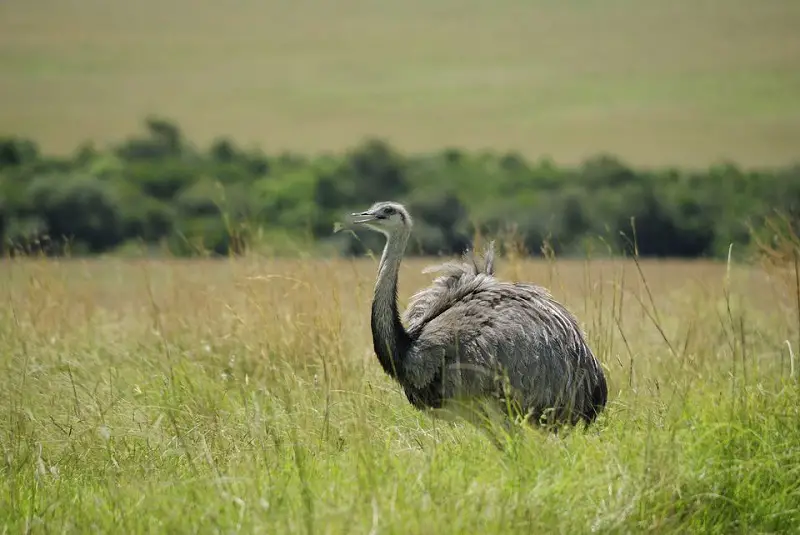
448,287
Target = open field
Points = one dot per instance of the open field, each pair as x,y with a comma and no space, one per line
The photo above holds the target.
242,396
678,82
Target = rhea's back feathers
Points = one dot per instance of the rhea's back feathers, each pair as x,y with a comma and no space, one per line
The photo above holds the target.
455,280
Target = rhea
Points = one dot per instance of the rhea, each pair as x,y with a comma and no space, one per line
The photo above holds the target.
472,337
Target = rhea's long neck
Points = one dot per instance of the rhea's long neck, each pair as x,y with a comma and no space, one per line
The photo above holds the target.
389,337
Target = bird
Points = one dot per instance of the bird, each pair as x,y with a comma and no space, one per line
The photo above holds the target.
472,341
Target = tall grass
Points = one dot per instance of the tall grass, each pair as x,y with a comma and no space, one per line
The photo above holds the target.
242,396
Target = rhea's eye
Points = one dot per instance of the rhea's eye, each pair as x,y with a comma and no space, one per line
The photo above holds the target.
389,211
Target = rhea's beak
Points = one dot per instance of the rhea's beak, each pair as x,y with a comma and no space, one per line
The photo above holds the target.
362,217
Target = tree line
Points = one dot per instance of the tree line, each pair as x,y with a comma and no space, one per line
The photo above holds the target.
156,190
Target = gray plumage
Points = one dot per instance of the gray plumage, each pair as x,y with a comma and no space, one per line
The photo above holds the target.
470,336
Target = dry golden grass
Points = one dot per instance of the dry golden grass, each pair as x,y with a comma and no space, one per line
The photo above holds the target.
242,395
677,82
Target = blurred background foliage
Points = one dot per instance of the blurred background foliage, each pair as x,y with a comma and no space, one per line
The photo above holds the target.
158,191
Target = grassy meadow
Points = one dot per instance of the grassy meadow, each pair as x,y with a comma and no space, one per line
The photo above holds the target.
657,82
242,396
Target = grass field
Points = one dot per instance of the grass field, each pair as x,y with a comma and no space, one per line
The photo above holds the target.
243,397
678,82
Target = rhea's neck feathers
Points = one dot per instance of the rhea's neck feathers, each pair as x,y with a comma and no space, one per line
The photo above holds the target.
389,337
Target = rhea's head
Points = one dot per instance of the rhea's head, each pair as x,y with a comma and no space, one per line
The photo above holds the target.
384,217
